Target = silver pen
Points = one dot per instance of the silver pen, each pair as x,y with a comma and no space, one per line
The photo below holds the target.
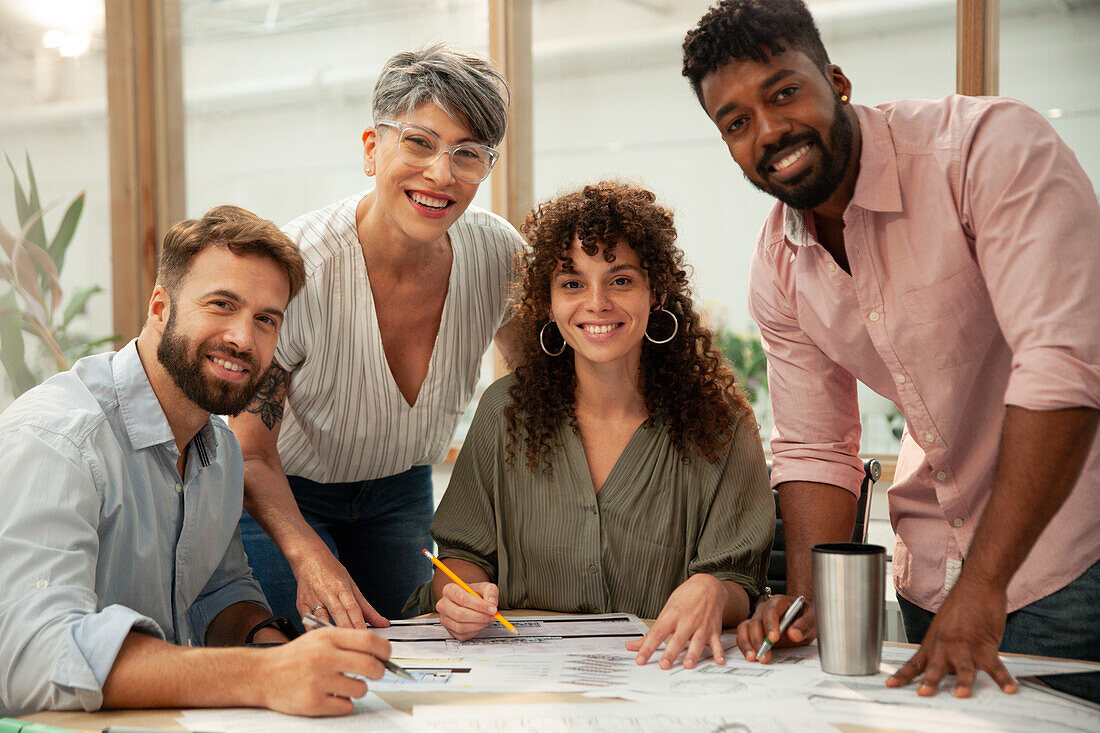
784,622
312,622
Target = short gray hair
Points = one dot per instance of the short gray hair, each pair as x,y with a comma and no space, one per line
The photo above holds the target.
464,86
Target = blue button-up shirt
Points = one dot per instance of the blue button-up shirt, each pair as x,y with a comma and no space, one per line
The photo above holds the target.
100,535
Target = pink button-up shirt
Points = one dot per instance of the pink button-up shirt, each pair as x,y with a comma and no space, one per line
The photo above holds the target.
973,238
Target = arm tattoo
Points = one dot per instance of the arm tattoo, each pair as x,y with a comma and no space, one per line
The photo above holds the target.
268,402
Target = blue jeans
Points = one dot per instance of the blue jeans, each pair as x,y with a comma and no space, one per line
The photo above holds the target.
376,528
1063,624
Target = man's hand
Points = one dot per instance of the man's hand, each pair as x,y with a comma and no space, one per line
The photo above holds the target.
309,676
463,614
962,639
323,581
751,632
693,616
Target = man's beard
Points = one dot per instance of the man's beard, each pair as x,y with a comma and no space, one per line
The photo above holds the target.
186,369
815,186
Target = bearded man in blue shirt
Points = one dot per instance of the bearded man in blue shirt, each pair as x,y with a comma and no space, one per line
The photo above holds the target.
119,548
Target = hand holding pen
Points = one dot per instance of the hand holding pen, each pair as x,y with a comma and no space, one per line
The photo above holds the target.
312,622
780,620
465,610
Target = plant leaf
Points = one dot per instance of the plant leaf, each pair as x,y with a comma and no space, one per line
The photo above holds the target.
64,236
83,348
24,256
11,346
37,233
77,303
22,207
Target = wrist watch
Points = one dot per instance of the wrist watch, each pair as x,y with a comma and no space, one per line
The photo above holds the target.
279,623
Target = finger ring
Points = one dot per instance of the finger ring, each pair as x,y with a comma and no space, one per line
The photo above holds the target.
315,609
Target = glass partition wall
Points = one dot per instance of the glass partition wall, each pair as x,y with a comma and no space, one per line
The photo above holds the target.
53,116
277,92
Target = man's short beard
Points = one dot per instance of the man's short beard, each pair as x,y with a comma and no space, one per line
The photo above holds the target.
174,352
815,190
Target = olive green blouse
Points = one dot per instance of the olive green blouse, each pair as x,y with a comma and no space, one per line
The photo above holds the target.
551,542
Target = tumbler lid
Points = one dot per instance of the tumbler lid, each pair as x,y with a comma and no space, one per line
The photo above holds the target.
849,548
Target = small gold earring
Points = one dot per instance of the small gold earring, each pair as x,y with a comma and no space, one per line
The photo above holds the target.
844,98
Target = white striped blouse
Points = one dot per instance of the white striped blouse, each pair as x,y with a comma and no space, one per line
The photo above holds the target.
345,418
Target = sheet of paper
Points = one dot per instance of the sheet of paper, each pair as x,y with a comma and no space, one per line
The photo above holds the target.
371,715
428,639
552,654
622,718
523,672
866,700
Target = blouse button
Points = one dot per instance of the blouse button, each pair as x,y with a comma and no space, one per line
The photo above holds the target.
874,316
41,584
899,378
592,568
942,475
958,522
831,266
929,437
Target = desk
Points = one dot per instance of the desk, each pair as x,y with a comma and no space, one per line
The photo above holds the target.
403,701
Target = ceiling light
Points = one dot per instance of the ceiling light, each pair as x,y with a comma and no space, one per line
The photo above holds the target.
53,38
74,44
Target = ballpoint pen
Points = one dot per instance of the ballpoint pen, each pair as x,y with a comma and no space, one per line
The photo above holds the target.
312,622
784,622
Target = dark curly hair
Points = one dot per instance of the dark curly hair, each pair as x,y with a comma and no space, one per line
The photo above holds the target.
685,380
734,30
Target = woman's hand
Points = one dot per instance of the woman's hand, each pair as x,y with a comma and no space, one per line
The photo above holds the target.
463,614
692,616
323,581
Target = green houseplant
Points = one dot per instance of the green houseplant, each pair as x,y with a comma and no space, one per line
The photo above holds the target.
32,303
745,354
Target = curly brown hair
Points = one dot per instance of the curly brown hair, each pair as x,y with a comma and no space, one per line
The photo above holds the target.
685,380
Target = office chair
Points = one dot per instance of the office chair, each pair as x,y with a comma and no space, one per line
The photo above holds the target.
777,564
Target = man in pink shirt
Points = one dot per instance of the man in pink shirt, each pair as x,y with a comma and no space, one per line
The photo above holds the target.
945,253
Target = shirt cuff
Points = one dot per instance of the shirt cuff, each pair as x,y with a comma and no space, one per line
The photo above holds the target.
1052,379
846,472
90,648
204,610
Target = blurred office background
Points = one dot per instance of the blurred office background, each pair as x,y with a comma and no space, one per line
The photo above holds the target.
276,94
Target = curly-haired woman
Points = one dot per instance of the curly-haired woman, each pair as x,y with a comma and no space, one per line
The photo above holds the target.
619,469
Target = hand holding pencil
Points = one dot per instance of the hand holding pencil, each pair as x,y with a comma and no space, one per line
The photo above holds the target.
465,609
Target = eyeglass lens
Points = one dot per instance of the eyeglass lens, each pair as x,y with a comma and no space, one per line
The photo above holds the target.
468,162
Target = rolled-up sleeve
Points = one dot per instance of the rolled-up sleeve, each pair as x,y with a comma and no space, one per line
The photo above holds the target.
232,582
58,647
813,399
739,525
1035,220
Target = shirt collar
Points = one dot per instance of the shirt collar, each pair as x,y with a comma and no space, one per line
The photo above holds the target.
144,418
877,188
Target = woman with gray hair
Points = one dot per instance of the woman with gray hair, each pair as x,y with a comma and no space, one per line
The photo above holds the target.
407,284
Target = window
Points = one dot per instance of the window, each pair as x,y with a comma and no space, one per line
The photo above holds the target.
53,112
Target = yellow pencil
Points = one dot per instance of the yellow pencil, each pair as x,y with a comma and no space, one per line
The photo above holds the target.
468,589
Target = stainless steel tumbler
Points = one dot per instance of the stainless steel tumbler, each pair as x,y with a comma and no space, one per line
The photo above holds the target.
849,601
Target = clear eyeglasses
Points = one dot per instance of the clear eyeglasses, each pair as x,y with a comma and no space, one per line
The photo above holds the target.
416,146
